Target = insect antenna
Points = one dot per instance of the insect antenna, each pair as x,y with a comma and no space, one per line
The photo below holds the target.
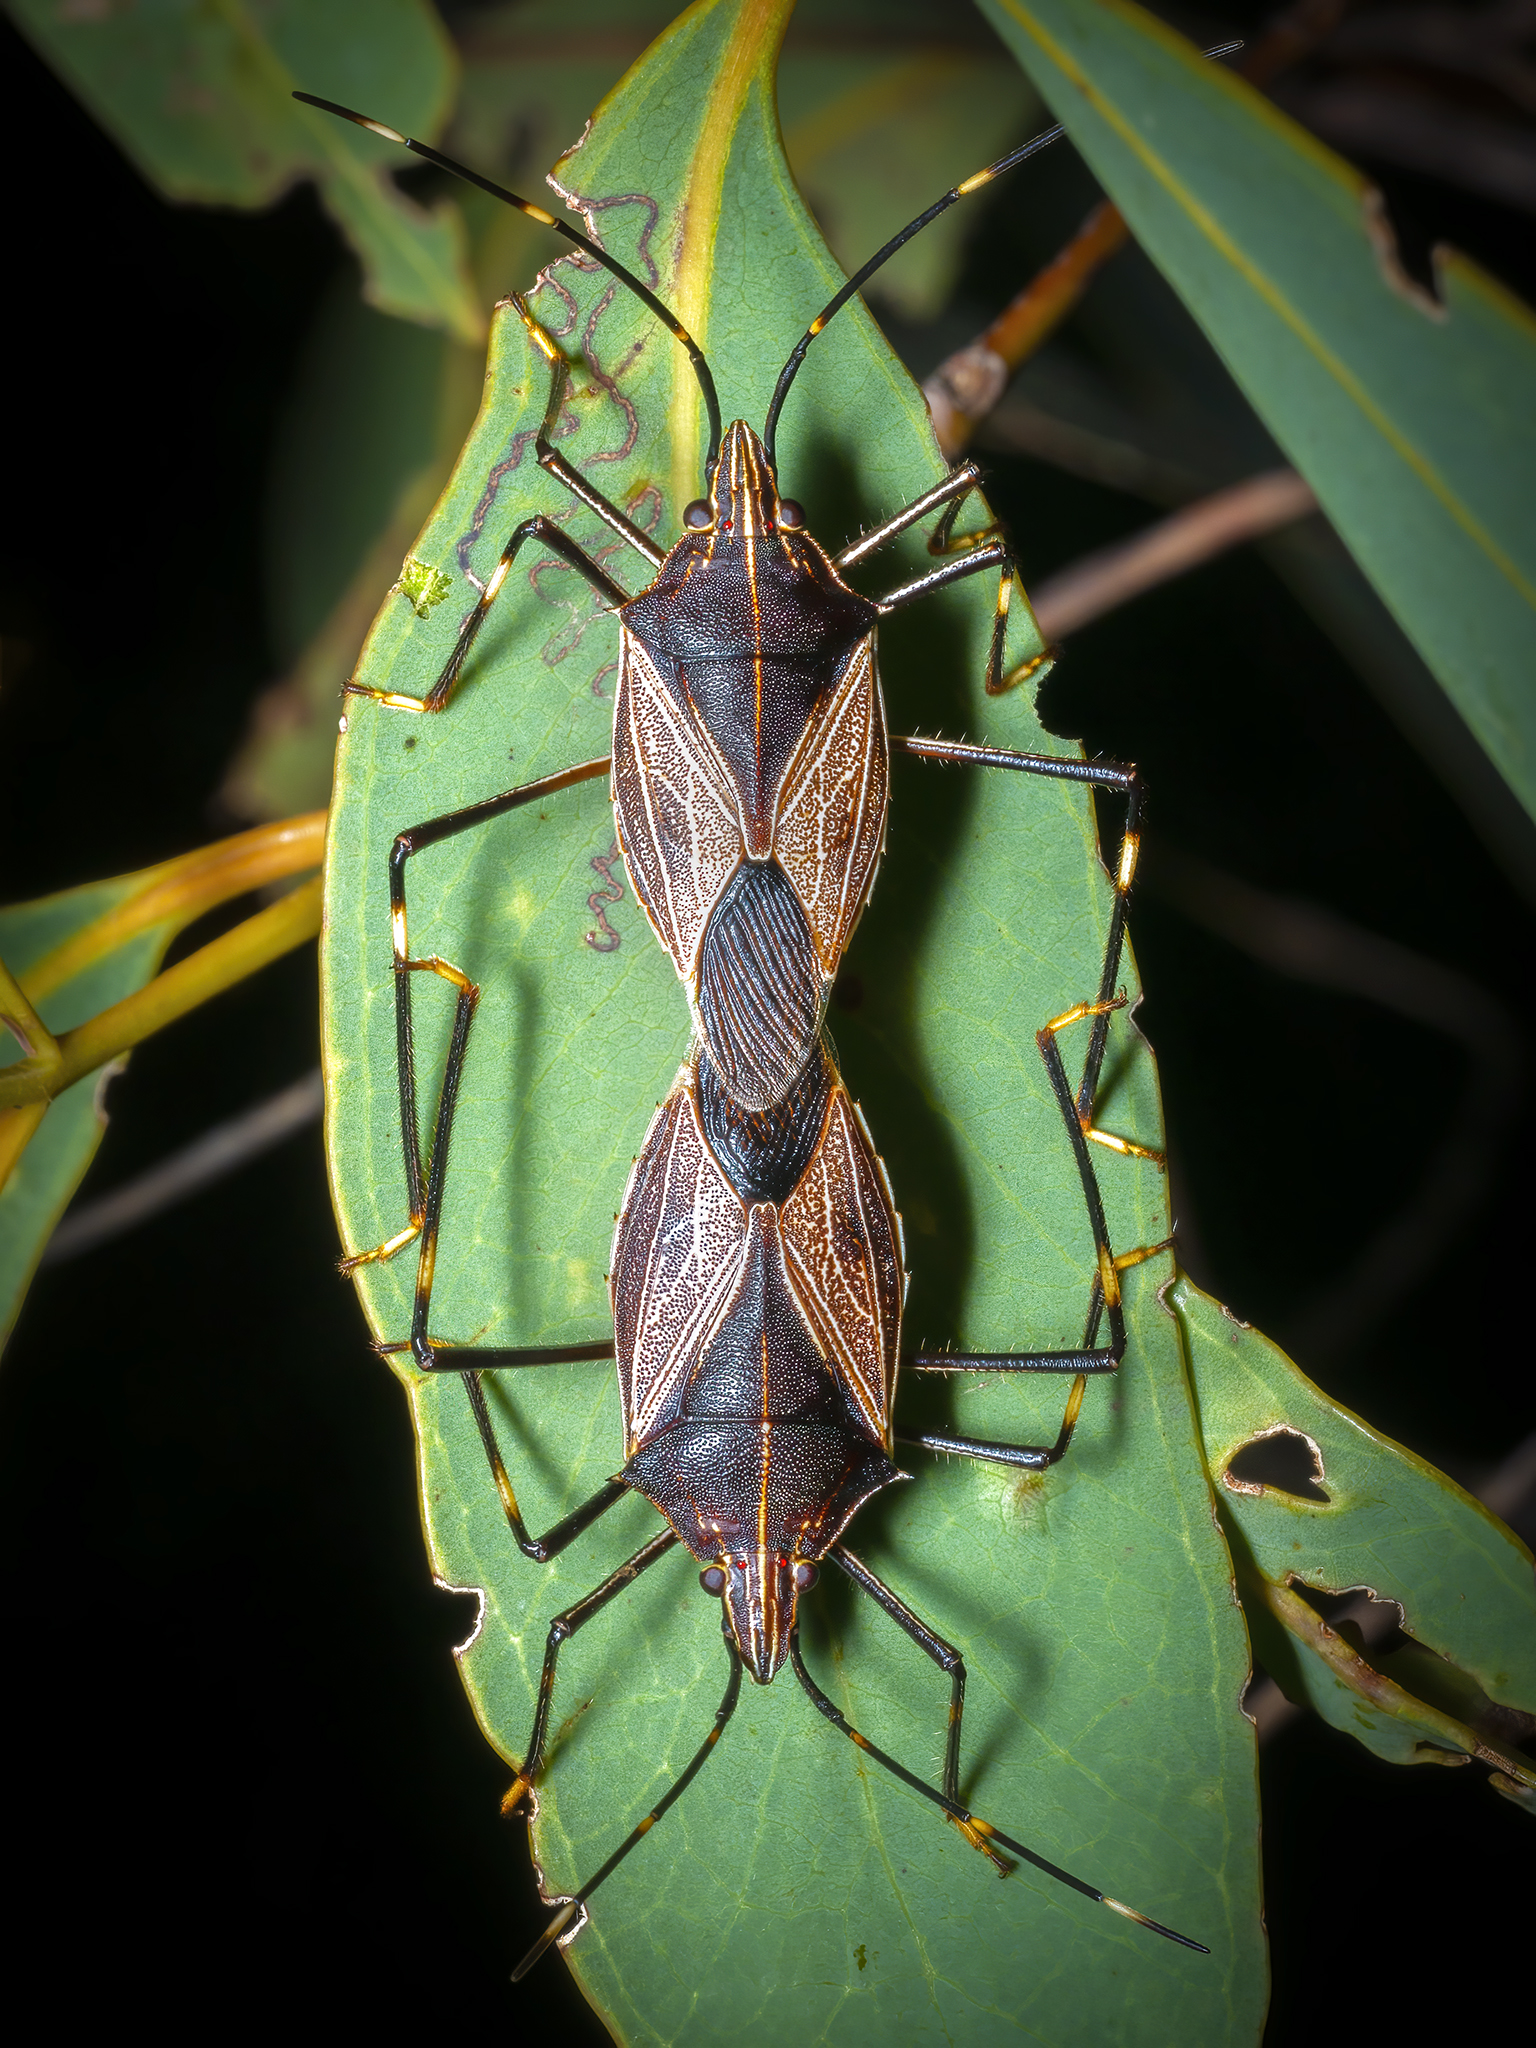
570,1909
882,256
545,219
979,1833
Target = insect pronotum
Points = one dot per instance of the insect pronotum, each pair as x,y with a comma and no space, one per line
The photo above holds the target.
757,1273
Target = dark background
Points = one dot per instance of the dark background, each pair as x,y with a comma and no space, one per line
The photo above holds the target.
242,1778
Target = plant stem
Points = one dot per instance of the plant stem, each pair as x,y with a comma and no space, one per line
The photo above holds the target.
207,972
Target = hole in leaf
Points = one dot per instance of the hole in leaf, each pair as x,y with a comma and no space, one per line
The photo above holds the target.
463,1609
1280,1461
1368,1623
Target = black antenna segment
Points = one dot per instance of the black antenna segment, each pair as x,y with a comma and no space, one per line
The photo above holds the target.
881,256
625,277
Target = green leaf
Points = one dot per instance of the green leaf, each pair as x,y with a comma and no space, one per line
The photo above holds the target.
197,93
1389,1523
795,1892
1415,423
54,1163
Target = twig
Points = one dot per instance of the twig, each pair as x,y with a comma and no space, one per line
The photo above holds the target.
177,891
207,972
967,385
218,1152
1020,427
1111,576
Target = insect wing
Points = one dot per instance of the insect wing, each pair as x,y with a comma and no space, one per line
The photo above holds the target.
831,828
844,1252
674,808
677,1254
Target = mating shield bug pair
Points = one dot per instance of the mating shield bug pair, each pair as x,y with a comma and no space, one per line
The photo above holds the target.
757,1275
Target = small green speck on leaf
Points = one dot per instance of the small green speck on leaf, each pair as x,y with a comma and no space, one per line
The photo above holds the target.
423,585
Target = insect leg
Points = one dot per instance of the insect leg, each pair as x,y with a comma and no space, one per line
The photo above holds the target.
990,554
569,1909
979,1833
1025,1457
474,1365
561,1629
1076,1108
950,493
550,458
945,1655
425,1196
1111,775
548,535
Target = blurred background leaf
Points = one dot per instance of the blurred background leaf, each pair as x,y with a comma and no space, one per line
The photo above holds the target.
83,952
1410,415
64,1143
199,96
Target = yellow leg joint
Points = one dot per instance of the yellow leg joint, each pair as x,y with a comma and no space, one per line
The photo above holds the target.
1109,1280
1126,1147
1080,1010
388,698
1141,1254
976,1833
386,1250
1128,856
516,1794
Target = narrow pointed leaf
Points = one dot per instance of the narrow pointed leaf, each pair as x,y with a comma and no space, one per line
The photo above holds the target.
1415,423
794,1892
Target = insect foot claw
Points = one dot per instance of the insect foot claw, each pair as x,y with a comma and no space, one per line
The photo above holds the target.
569,1908
976,1832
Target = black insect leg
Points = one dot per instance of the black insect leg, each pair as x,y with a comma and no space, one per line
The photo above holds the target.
981,1834
1076,1108
1023,1457
549,535
990,554
569,1909
425,1195
945,1655
550,458
561,1629
949,494
474,1365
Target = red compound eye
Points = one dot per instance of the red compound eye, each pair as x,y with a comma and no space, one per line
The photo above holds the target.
697,514
712,1579
805,1576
